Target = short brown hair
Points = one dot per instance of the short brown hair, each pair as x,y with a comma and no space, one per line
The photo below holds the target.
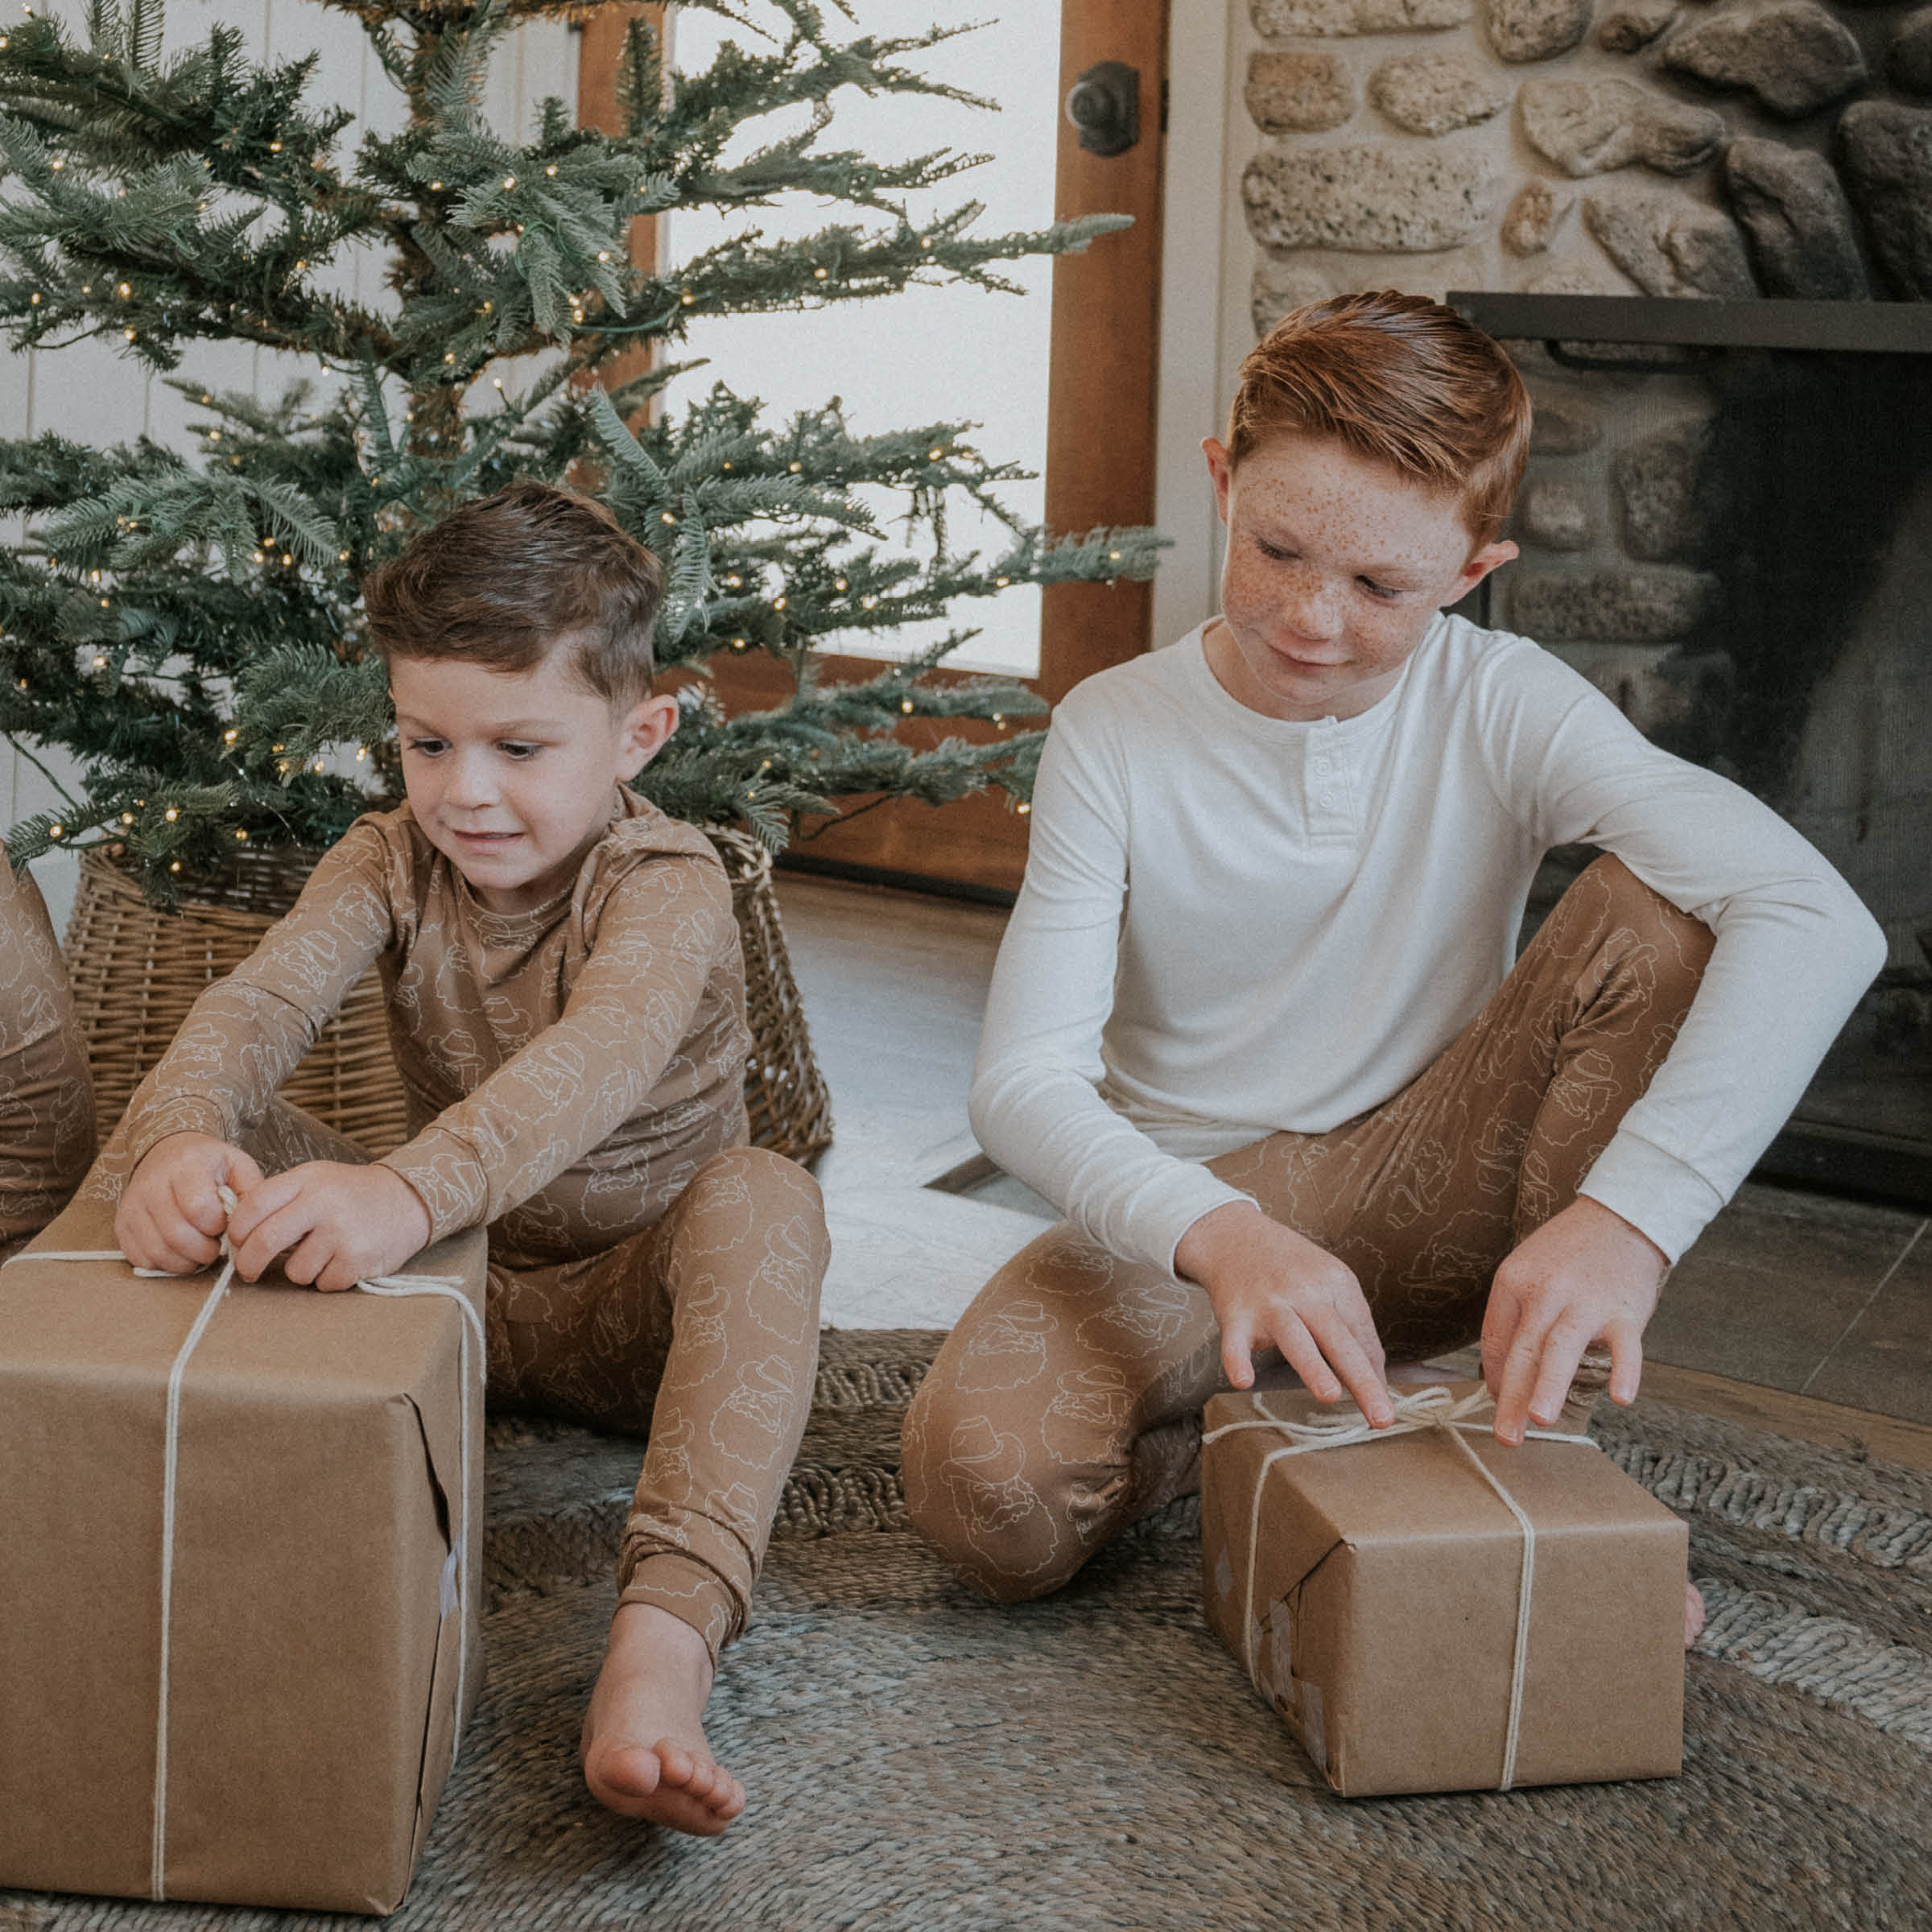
1400,380
507,580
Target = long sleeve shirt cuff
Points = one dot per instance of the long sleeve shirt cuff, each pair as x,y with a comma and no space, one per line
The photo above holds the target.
1177,1201
445,1173
178,1113
1658,1195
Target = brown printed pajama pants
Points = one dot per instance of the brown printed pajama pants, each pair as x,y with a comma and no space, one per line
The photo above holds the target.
1066,1403
702,1333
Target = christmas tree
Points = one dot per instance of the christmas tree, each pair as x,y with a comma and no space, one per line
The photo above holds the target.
189,629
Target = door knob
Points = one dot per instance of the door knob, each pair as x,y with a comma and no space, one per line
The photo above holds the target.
1104,105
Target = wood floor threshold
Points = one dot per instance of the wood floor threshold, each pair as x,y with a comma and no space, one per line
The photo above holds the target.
1887,1438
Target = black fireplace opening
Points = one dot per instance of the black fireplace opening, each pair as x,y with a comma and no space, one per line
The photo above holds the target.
1727,526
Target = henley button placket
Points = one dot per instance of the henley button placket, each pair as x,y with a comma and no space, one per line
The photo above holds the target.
1329,819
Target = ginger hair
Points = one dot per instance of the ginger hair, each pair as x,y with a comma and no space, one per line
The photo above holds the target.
1403,381
505,580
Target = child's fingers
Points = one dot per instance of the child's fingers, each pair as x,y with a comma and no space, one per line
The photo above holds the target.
1626,1342
1302,1354
1501,1320
240,1172
1342,1349
182,1233
1238,1351
1563,1352
147,1245
274,1234
198,1204
262,1199
317,1260
1519,1379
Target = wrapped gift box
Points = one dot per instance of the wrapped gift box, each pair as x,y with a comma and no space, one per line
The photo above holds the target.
321,1639
1374,1597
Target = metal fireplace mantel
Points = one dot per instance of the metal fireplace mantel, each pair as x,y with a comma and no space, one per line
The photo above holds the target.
1873,327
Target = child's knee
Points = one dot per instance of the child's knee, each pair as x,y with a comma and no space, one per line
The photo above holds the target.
1684,941
971,1493
754,1214
756,1182
1642,944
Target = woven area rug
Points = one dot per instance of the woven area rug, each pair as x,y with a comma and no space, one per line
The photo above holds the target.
916,1758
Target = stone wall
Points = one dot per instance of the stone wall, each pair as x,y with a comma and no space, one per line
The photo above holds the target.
1776,147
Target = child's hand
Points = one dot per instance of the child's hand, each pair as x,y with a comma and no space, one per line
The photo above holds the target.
339,1224
1585,1276
1268,1285
170,1214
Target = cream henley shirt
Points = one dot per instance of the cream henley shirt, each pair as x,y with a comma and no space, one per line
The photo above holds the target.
1233,924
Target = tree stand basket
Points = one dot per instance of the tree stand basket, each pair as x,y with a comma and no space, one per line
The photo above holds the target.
136,970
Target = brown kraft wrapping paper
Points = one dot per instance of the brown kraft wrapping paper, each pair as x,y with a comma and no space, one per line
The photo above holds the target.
316,1629
1385,1596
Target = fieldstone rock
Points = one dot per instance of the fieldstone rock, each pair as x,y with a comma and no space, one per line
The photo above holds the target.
1384,201
1654,686
1655,484
1792,54
1798,220
1335,19
1298,93
1888,156
1554,515
1436,93
1575,278
1533,30
1669,247
1562,424
1909,63
1589,127
1533,217
1635,25
1277,287
1627,606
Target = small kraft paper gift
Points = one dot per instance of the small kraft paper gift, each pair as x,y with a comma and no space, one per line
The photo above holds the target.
1431,1611
240,1553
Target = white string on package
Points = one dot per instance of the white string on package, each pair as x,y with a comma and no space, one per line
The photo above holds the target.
400,1286
1432,1408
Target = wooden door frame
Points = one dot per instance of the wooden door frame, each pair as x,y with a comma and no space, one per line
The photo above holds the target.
1101,451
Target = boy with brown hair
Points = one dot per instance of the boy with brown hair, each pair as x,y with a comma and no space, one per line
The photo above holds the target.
47,1094
568,1008
1254,1026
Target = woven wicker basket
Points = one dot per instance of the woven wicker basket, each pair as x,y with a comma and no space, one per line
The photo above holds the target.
136,970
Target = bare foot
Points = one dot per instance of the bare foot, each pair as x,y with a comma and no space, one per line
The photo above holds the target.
643,1748
1694,1613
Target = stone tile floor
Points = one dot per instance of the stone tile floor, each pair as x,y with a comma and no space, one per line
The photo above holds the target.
1803,1293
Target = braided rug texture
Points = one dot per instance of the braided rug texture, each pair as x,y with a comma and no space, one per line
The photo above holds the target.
916,1758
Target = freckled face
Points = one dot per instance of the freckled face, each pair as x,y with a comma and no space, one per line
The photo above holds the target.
513,775
1335,566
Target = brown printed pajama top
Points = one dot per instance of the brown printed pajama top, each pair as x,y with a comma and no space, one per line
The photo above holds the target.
47,1096
575,1075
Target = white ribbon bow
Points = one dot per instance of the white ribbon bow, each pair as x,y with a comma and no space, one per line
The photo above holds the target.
398,1285
1433,1407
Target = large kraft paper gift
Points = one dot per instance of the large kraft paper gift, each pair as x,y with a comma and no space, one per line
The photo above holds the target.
241,1680
1422,1626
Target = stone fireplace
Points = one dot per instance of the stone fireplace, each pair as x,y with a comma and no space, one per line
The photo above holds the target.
1727,520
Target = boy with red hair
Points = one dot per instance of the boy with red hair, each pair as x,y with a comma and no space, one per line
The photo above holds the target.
1255,1026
